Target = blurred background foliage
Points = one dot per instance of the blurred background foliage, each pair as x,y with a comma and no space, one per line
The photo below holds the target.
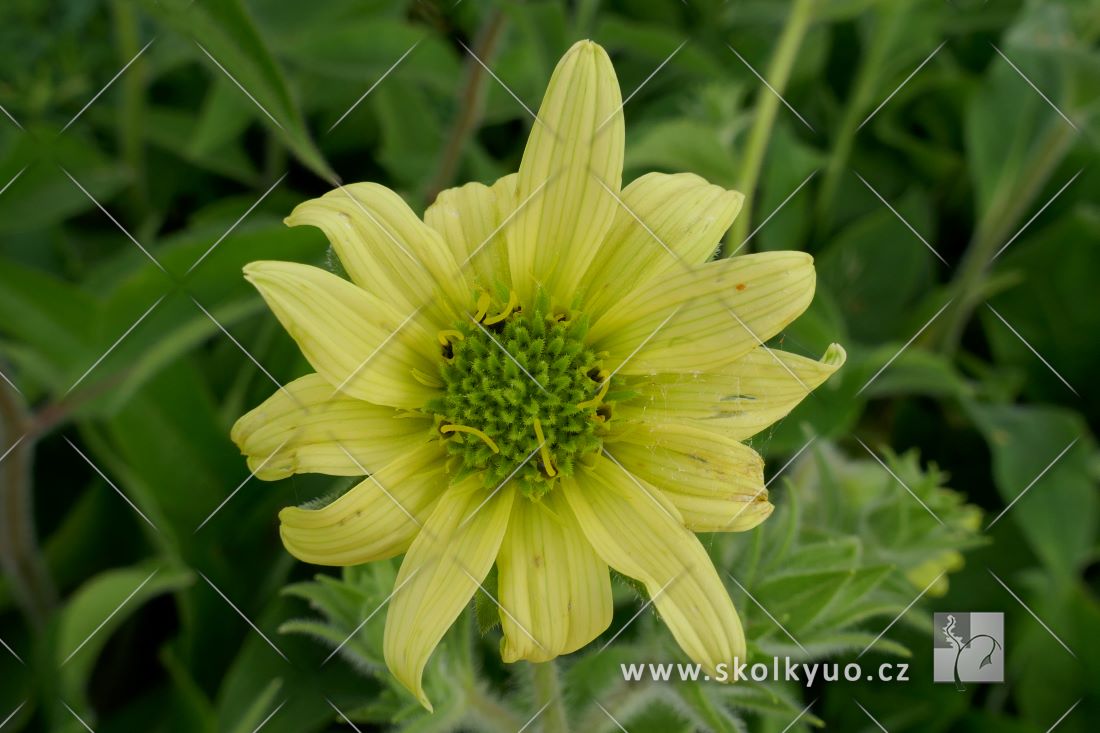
130,200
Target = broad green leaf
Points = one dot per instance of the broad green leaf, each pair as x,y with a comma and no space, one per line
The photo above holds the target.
228,41
99,607
1045,452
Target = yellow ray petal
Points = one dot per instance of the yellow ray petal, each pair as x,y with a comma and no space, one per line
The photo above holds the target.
376,519
706,317
305,428
469,219
386,248
663,223
359,343
556,589
638,533
715,482
739,399
439,575
574,160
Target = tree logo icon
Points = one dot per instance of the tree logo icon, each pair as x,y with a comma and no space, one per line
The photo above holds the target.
968,647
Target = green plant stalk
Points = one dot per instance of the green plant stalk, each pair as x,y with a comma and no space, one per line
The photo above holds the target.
20,557
870,73
996,224
548,693
471,106
488,711
779,72
131,111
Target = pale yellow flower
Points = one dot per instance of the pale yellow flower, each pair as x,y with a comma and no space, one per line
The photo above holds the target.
547,374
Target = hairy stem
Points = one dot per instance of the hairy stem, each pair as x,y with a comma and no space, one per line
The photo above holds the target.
548,695
779,72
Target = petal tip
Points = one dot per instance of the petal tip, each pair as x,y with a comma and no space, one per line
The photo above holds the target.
835,356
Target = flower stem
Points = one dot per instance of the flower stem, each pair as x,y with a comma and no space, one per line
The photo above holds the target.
1001,216
779,71
548,694
20,557
471,106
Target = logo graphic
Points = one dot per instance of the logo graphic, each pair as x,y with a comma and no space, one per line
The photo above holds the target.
968,647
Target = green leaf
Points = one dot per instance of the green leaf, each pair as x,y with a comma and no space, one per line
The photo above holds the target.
99,607
1059,512
229,42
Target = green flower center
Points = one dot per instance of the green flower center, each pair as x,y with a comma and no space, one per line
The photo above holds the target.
524,397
